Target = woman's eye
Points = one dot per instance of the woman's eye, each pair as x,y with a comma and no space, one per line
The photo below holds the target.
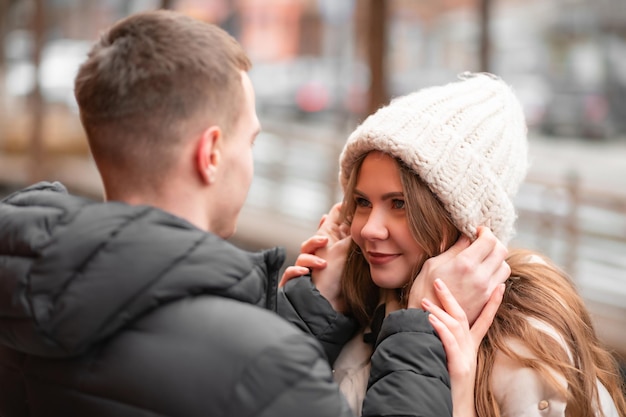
397,204
361,202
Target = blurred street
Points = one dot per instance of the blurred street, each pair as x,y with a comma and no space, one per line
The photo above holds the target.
319,66
309,187
295,183
286,211
600,166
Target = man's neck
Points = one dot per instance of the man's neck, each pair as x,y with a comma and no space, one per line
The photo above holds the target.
186,205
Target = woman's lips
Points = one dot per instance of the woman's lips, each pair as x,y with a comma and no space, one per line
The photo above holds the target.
376,258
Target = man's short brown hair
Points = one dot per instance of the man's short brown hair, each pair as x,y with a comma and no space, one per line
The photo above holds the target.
153,78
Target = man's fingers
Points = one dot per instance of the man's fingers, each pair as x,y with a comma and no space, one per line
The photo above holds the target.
459,246
344,230
484,246
483,322
335,209
503,273
333,215
495,259
322,220
342,245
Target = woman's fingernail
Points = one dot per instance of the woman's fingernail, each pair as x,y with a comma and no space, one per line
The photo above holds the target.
433,318
426,304
439,284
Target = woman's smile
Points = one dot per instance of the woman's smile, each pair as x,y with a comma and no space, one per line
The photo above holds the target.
377,258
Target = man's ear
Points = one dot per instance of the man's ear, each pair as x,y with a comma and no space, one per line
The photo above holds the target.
208,154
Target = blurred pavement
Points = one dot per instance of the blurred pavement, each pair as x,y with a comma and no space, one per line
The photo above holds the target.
600,165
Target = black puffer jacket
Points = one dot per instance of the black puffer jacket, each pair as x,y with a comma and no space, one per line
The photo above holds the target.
115,310
408,375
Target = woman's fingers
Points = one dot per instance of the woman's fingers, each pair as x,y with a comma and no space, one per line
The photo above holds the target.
453,325
310,261
331,231
448,339
454,318
312,244
292,272
305,263
448,302
459,343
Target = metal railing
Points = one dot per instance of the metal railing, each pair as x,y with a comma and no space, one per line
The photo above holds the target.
582,230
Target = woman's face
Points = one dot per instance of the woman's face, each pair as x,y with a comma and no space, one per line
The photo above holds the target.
379,226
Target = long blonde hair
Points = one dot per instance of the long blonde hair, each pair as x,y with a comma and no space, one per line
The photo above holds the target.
537,290
542,291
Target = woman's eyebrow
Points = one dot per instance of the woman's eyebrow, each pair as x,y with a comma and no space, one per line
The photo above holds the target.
386,196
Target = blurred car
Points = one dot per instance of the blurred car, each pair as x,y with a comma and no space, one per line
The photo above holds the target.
578,111
310,85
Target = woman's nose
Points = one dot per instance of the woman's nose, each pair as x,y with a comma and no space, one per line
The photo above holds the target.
375,228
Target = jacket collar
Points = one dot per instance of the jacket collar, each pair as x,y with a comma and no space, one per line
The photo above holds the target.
83,269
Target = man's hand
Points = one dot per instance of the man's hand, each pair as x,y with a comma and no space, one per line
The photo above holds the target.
471,272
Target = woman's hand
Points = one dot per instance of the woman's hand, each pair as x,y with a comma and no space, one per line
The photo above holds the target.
461,342
324,256
307,261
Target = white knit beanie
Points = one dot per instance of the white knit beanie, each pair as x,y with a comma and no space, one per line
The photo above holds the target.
466,140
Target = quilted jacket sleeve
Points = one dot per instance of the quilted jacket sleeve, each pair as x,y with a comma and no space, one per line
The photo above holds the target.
409,375
300,303
292,378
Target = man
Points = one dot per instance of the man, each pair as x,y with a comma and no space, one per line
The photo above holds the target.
138,306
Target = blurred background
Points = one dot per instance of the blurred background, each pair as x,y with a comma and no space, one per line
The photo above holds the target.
320,66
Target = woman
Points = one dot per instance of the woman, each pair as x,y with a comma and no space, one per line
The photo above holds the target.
419,173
